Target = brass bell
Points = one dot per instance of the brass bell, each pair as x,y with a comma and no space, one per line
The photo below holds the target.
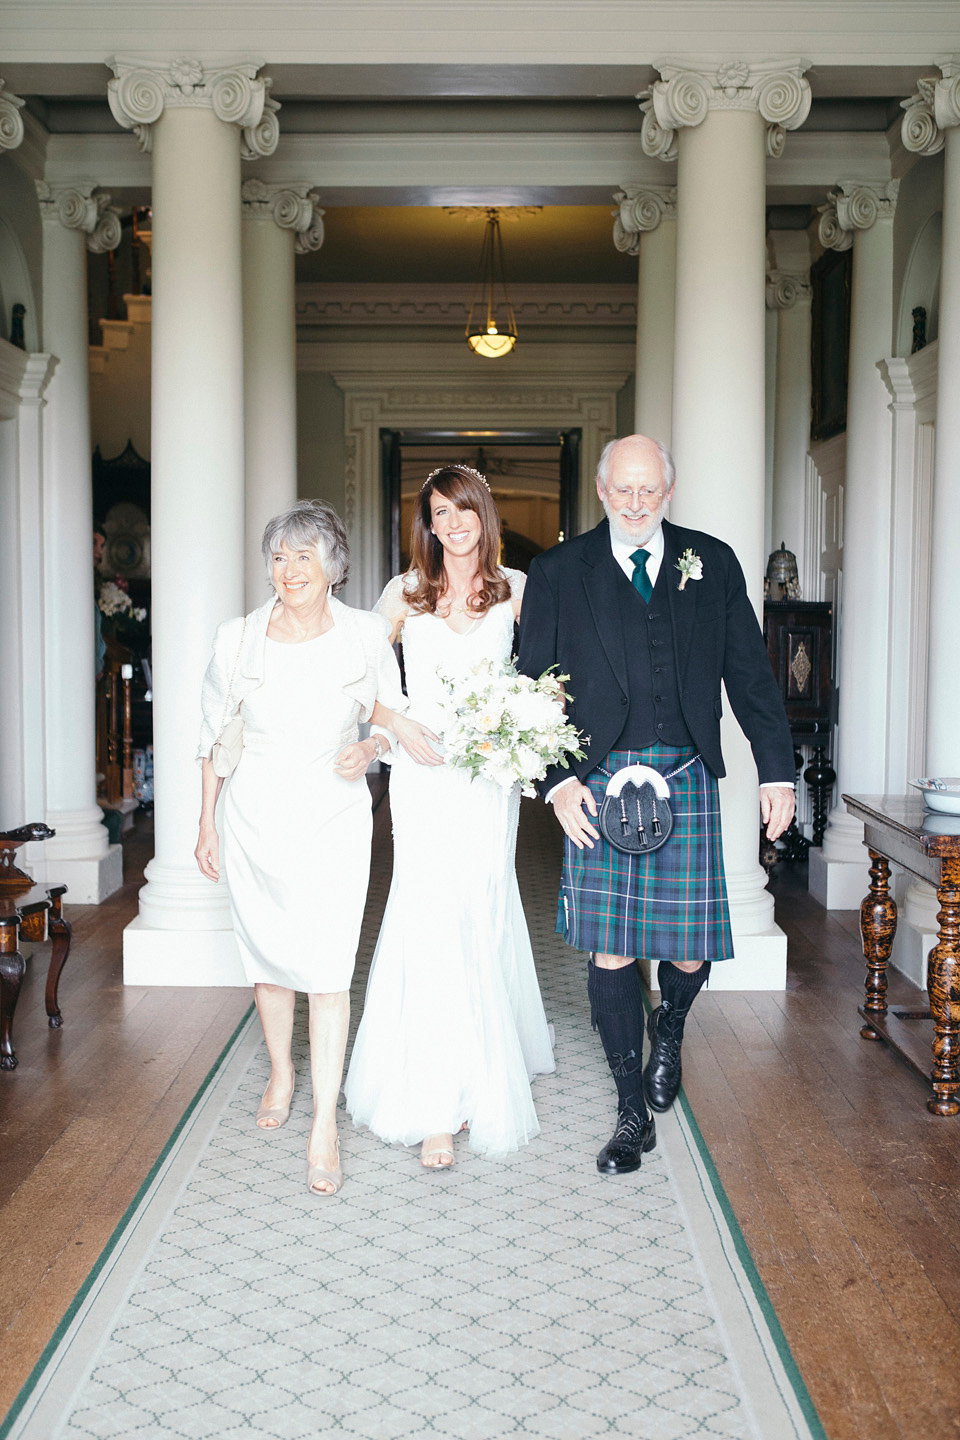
782,580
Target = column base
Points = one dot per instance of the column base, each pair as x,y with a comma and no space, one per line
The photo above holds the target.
180,957
89,880
838,884
759,963
127,808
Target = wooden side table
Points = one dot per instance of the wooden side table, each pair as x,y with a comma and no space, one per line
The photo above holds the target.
901,828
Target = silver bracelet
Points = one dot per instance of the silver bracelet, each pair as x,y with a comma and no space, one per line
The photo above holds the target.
377,742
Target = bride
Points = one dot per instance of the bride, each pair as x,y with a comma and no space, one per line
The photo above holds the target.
453,1027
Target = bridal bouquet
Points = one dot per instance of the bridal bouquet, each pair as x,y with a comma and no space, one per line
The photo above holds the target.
507,727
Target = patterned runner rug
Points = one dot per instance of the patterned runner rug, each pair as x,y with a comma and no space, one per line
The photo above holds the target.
527,1296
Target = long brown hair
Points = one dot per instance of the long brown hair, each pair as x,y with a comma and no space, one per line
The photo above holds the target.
466,489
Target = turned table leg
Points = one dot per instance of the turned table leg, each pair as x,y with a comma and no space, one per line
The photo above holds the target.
60,932
12,969
943,985
878,925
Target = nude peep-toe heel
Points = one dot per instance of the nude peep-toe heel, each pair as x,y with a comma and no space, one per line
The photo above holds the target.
316,1175
279,1113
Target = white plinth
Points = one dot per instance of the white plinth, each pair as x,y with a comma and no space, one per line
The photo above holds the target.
180,957
89,879
911,946
838,884
759,963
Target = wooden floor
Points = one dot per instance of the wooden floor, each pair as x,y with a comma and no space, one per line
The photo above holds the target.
847,1190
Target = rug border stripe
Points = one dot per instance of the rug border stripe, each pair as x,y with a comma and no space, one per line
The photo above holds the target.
781,1344
67,1319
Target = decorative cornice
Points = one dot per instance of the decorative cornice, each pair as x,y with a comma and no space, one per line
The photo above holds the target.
934,109
11,121
143,89
77,208
855,205
291,207
322,304
784,289
686,93
641,207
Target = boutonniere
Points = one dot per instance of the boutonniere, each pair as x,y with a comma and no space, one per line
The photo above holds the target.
690,566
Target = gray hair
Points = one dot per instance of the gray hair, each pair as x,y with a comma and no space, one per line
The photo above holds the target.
666,460
310,525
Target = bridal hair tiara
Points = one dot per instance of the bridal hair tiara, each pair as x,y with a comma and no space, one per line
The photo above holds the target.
455,465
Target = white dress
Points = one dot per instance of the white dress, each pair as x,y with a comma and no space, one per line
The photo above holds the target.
296,835
453,1026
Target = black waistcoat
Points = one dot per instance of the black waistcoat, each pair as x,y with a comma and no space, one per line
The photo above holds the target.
654,711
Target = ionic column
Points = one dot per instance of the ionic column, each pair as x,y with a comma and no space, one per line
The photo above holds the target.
74,220
721,122
789,295
11,121
198,121
931,124
861,214
278,222
645,224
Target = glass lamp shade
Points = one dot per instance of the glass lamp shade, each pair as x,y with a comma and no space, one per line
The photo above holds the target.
490,343
491,325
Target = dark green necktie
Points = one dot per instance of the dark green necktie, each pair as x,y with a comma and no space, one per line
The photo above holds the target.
640,579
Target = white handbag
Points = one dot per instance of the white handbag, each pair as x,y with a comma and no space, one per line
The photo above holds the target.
228,746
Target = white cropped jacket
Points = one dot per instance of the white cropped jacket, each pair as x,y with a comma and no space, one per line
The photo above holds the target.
377,674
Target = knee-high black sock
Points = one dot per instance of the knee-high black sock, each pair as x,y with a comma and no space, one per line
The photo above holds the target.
678,990
616,1010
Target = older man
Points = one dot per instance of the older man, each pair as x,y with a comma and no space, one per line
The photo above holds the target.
647,619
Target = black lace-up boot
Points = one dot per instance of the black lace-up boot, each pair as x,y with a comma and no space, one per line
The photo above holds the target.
616,1011
662,1072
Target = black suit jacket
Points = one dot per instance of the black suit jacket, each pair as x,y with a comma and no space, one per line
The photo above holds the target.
571,618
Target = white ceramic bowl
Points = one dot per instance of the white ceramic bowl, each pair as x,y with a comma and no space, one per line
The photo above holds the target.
944,795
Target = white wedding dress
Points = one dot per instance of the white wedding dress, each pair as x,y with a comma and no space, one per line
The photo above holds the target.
453,1026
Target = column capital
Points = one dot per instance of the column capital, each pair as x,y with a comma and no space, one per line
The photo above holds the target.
77,208
785,288
640,208
686,93
291,207
933,109
855,205
143,89
11,121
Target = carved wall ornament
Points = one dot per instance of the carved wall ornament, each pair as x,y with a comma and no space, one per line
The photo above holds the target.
11,121
640,208
855,205
934,109
291,207
142,89
684,94
785,289
77,208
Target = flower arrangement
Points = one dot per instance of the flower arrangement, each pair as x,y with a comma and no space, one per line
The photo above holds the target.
690,566
114,602
507,727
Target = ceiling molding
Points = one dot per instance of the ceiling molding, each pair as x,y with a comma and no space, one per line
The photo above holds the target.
447,304
457,41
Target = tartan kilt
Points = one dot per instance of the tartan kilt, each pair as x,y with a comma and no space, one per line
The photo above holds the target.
669,905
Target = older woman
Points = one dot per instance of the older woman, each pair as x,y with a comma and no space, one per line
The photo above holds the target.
303,670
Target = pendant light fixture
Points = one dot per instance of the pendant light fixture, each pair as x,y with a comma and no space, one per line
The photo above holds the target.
491,326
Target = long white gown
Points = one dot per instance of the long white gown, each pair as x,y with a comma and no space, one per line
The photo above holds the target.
453,1026
296,835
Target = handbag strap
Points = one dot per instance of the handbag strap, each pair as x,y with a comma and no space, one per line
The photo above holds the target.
226,708
679,770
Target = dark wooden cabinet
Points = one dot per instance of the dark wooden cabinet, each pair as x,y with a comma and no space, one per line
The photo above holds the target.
799,636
